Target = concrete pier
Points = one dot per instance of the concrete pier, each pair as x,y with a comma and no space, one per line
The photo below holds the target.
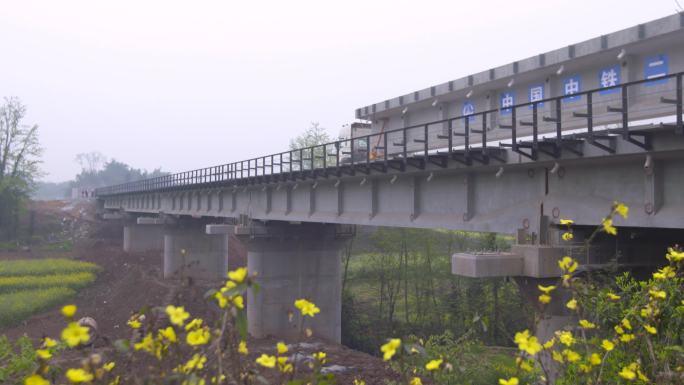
293,262
190,252
141,238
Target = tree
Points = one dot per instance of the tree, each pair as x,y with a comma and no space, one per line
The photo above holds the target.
110,173
315,135
19,159
91,161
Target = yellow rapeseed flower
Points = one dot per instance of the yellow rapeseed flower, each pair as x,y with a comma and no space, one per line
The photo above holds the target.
134,323
665,273
414,381
434,364
566,338
627,373
586,324
197,337
238,275
242,348
43,354
307,308
571,355
566,221
196,362
220,299
78,375
612,297
36,379
528,344
239,302
572,304
557,356
390,348
595,359
647,311
266,361
549,344
75,334
544,298
320,356
168,334
619,329
567,236
510,381
196,323
567,264
608,226
147,344
657,294
281,347
109,366
651,329
49,342
621,209
546,289
177,315
607,345
625,322
674,255
69,310
626,338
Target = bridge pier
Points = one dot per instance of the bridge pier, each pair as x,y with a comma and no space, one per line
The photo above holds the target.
293,262
190,251
143,237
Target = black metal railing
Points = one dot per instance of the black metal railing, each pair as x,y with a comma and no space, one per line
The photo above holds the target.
415,146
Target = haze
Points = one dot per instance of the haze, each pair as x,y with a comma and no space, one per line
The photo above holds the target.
183,85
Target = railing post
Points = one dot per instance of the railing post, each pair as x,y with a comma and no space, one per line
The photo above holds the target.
425,142
625,116
680,125
451,135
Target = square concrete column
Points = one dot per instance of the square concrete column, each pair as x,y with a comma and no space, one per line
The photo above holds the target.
142,238
300,261
190,252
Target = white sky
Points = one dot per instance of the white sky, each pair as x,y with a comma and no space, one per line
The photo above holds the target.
184,85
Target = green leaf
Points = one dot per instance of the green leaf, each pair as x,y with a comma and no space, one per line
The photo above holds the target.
241,323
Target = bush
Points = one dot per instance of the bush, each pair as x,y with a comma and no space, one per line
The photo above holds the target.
469,361
23,282
17,306
45,266
630,331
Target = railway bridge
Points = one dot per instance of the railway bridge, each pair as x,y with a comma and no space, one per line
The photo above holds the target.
512,149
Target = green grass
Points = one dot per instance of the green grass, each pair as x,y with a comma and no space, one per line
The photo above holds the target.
9,284
20,305
45,266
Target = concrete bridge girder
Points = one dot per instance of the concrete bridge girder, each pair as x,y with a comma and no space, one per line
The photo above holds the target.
477,199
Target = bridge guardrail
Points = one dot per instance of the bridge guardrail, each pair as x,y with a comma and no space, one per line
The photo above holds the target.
462,139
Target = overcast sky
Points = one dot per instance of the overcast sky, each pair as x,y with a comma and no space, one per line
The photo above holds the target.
183,85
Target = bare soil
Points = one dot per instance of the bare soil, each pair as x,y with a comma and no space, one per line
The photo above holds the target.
130,282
